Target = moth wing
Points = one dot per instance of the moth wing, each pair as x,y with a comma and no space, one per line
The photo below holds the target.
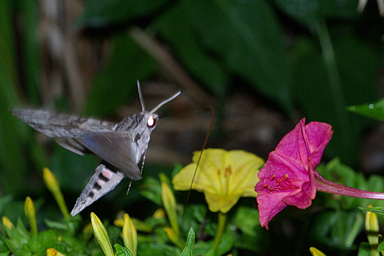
103,180
64,128
71,144
115,148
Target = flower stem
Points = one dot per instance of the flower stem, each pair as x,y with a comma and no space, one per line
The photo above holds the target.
328,186
220,229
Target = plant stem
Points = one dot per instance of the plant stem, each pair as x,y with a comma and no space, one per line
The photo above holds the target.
220,229
324,185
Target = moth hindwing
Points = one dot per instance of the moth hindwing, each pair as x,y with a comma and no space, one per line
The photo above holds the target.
121,146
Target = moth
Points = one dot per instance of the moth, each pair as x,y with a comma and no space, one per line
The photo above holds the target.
121,146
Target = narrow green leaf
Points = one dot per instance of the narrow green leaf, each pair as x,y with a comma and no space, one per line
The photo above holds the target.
372,110
378,210
189,244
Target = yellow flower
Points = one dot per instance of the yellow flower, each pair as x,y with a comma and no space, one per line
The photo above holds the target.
30,212
223,176
53,186
7,223
316,252
54,252
129,235
372,229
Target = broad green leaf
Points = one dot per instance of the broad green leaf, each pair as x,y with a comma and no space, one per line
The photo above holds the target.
247,37
310,10
99,13
247,219
252,236
12,157
320,103
152,190
114,84
381,247
364,249
31,50
372,110
337,228
180,34
122,251
150,249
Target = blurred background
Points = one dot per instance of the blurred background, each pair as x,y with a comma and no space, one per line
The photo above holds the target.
262,65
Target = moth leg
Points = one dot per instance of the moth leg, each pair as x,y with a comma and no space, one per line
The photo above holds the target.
129,187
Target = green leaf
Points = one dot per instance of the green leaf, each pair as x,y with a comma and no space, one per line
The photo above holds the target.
114,85
186,45
337,228
372,110
122,251
248,38
345,175
152,190
247,220
381,247
252,236
317,98
378,210
189,244
150,249
17,237
308,11
12,157
364,249
99,13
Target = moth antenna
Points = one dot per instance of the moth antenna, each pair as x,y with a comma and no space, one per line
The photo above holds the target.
198,160
164,102
140,96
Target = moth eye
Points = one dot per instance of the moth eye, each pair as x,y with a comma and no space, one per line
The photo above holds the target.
151,121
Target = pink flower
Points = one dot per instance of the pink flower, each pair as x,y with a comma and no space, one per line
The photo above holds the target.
289,176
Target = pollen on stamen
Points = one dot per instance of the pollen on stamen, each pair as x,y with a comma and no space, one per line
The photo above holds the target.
273,177
278,183
228,171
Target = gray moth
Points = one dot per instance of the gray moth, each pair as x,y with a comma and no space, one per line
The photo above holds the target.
121,146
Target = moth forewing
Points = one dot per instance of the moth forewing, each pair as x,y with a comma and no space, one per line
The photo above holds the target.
121,146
